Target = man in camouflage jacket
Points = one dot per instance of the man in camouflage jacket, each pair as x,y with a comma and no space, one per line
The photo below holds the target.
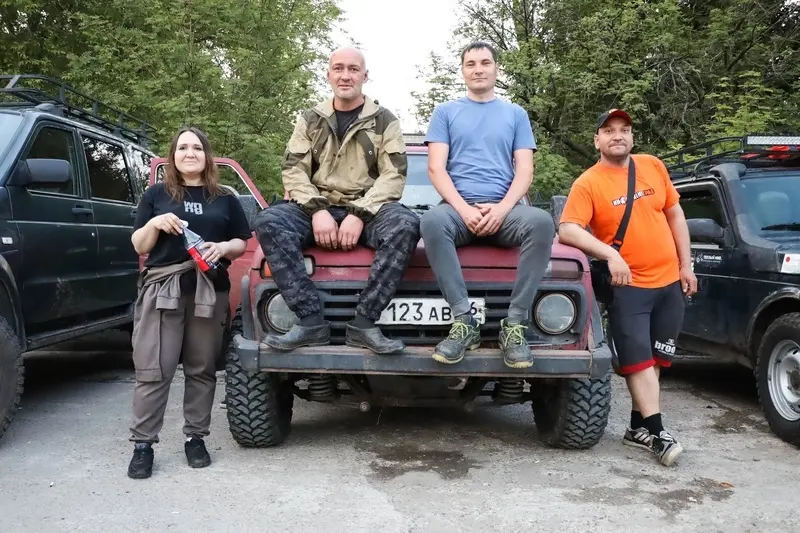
344,171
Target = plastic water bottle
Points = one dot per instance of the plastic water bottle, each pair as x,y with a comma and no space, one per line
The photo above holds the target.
193,243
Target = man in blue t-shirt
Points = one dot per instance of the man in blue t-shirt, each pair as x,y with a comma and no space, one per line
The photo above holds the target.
480,160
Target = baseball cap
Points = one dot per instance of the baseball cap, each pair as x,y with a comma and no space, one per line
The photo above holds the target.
611,113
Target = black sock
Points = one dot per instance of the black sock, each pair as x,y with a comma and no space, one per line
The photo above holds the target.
311,320
636,420
467,318
653,424
362,322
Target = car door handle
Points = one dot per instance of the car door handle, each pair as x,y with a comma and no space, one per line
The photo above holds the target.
82,210
133,214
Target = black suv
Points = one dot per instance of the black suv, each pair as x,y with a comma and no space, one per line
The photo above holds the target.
741,197
70,181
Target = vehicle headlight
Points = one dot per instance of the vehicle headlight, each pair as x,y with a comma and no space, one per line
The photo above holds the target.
278,314
554,313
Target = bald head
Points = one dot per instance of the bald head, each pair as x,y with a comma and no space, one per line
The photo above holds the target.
347,54
347,72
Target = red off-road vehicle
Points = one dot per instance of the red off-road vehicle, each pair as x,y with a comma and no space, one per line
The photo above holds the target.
568,385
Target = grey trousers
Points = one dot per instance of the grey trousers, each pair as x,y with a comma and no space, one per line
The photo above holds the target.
200,341
530,228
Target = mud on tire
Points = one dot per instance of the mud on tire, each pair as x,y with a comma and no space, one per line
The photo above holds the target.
11,375
259,405
572,413
783,338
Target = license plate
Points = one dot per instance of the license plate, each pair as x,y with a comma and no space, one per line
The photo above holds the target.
427,311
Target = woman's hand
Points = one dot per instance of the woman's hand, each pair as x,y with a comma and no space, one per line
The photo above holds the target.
168,223
214,251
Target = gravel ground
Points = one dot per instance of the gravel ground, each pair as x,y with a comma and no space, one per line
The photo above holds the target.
63,463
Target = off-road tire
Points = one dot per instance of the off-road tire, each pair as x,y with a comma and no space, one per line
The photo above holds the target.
573,413
11,375
259,405
786,327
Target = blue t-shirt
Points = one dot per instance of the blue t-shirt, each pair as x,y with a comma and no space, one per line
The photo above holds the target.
482,138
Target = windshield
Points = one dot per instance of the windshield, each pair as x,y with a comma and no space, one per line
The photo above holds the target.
774,202
8,127
419,192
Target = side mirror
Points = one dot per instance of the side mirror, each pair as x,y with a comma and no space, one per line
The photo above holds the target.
44,171
705,230
250,206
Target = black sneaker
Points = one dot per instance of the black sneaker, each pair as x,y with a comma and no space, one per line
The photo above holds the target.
462,337
196,453
141,465
666,448
638,438
516,352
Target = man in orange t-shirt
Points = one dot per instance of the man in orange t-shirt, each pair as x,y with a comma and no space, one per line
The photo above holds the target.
651,273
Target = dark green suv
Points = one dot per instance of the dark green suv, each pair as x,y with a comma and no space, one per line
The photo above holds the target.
70,181
741,197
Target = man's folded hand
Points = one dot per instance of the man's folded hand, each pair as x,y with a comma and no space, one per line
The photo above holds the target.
350,232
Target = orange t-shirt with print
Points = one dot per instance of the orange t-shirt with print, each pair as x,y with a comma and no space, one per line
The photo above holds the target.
597,199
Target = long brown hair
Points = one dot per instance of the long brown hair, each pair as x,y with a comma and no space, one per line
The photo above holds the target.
173,181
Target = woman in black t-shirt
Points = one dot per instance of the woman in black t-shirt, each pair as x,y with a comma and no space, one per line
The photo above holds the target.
181,311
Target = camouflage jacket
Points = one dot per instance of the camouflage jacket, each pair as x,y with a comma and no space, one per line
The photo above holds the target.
366,171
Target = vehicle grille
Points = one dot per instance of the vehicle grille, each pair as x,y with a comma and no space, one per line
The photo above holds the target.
339,306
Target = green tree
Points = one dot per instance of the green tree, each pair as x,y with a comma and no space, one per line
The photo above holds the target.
685,70
443,84
239,70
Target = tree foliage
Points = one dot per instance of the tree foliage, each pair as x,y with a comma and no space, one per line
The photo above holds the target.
686,70
240,70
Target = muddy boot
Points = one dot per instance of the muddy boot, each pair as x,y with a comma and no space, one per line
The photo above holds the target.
372,339
464,335
299,336
516,352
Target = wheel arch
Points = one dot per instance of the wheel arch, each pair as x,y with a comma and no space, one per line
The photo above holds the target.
248,322
10,302
786,300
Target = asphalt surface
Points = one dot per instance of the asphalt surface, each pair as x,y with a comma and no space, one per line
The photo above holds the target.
63,463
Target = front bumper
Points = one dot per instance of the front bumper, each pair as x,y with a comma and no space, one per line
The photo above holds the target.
417,361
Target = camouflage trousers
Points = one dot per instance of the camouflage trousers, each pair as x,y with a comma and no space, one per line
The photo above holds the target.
284,231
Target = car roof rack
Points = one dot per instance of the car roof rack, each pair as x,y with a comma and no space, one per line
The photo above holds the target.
19,86
752,150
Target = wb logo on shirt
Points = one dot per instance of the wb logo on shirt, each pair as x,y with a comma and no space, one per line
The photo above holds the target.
193,207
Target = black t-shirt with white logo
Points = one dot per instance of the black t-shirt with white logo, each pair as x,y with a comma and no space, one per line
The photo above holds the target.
221,220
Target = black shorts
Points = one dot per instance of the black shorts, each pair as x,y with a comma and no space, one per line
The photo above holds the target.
645,324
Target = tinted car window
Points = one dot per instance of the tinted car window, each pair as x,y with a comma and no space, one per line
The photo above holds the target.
228,176
54,143
108,174
701,204
141,167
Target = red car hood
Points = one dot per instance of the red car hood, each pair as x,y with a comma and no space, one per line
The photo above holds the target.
473,256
